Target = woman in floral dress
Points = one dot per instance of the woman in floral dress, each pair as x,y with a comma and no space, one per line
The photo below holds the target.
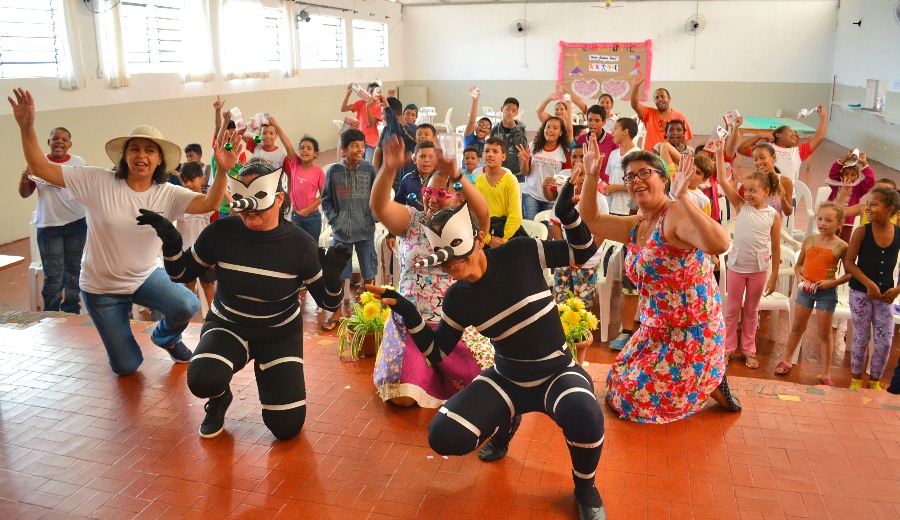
674,362
402,375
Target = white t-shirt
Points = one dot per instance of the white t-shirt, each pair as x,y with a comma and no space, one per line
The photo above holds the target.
190,226
788,161
545,163
752,239
603,208
618,202
120,254
699,199
274,157
54,206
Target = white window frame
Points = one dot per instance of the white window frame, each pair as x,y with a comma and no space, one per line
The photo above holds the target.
32,32
370,44
323,42
162,36
275,38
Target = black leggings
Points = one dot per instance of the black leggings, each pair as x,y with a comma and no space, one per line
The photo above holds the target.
278,365
489,403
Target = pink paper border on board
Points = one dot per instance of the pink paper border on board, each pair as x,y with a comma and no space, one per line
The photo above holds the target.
647,68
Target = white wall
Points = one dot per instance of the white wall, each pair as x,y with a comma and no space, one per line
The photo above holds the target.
775,54
861,53
183,112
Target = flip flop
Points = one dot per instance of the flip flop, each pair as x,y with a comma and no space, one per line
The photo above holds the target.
782,368
751,361
827,381
329,325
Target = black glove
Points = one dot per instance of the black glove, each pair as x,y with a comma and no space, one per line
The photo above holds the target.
170,236
565,208
424,336
405,308
335,260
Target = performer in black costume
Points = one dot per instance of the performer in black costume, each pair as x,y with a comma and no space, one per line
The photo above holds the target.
502,292
261,260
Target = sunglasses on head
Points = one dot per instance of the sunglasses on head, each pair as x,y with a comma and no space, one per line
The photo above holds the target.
441,194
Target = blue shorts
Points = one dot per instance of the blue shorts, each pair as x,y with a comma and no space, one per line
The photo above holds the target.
824,299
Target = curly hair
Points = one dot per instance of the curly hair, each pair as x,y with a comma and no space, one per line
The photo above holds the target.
540,141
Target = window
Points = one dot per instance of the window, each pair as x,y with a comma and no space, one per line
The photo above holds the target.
322,42
30,42
274,38
152,35
370,45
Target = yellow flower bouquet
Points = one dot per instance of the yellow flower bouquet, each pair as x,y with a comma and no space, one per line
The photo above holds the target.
577,321
369,317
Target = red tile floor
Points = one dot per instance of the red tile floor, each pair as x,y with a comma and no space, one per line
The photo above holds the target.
78,442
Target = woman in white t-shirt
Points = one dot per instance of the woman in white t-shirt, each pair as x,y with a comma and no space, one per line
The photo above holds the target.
120,267
548,156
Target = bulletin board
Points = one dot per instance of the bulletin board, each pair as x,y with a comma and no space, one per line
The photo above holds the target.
591,69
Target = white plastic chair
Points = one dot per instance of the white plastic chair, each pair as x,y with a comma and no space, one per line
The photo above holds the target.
491,114
605,280
538,231
801,192
461,129
822,195
543,216
774,302
35,269
426,115
446,124
339,124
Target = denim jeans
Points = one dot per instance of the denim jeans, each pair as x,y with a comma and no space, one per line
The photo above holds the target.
531,206
312,223
61,248
365,255
111,314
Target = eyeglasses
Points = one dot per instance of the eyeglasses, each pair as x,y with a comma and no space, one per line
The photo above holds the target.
642,174
441,194
484,125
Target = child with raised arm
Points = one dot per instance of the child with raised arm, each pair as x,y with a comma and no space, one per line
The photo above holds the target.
754,257
870,259
785,141
816,270
549,155
476,133
847,170
562,108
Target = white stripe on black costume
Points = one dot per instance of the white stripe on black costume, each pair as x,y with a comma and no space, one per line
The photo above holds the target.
256,313
534,371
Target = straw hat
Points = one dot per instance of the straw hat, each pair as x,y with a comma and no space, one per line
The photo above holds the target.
171,152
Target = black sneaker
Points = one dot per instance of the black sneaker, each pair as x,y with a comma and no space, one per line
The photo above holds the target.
590,505
498,445
179,352
215,408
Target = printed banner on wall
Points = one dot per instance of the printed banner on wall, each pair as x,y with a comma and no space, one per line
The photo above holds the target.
591,69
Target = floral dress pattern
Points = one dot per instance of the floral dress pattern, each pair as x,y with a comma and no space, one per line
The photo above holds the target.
675,359
400,369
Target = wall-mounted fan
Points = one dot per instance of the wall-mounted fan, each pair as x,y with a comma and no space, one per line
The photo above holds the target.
695,24
607,4
519,28
100,6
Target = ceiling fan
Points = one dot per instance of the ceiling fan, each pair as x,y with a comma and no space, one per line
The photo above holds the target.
607,4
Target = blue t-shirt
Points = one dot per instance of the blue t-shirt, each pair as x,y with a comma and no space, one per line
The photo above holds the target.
410,183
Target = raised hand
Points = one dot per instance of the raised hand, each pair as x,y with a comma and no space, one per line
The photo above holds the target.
170,236
821,111
592,157
447,165
218,103
226,159
637,80
349,88
475,92
862,159
524,153
334,260
22,107
393,154
682,177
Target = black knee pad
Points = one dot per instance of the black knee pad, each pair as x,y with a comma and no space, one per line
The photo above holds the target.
448,437
285,424
207,377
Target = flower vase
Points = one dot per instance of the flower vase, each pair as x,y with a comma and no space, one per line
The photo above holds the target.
369,346
581,348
